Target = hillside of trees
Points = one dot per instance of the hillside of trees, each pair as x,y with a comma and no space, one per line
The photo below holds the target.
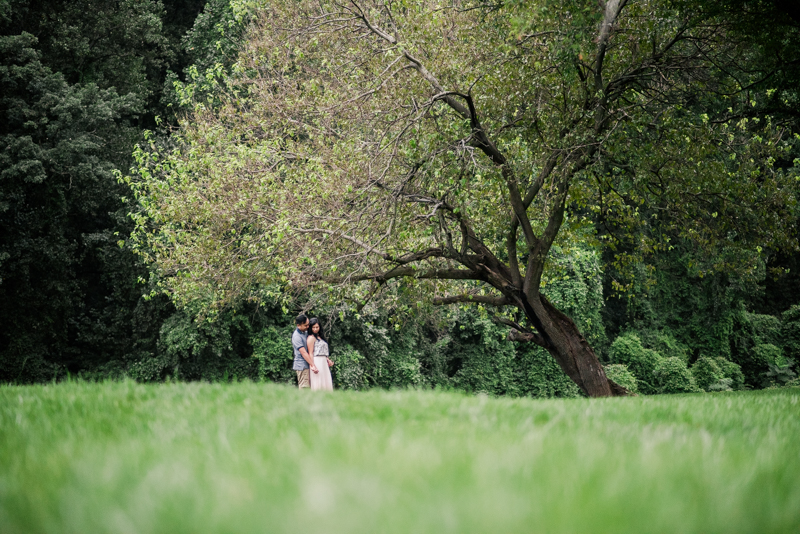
525,198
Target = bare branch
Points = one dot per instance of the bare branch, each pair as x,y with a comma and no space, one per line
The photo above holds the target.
611,11
472,299
410,271
373,28
431,79
527,337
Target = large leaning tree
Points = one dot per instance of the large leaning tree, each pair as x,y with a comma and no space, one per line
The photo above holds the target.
449,144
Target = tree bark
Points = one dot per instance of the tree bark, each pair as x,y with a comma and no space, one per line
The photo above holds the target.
571,350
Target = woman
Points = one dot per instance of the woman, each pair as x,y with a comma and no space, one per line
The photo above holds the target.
318,348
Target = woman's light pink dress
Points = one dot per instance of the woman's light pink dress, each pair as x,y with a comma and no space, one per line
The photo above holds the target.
321,380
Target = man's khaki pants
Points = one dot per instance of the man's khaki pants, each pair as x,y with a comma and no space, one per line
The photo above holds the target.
302,379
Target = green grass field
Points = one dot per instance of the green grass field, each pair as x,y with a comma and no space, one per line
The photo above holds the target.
128,458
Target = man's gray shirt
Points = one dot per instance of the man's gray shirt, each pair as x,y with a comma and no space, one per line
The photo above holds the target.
298,342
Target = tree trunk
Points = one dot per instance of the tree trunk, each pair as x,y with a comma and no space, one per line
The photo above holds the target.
571,351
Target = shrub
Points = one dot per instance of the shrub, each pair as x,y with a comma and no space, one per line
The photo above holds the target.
483,359
23,361
449,349
672,376
232,346
767,354
272,347
793,383
619,373
402,368
706,372
767,328
151,368
664,343
779,375
757,342
627,349
723,384
190,350
541,376
348,372
732,372
790,331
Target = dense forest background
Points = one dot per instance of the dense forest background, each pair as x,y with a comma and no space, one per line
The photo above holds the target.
81,82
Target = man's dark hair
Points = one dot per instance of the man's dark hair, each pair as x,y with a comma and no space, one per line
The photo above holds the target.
301,319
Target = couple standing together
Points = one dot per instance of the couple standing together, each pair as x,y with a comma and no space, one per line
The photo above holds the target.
311,353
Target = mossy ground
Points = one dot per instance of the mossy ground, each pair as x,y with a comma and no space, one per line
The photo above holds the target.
124,457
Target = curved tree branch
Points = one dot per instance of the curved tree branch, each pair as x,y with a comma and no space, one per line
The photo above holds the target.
482,141
410,271
470,299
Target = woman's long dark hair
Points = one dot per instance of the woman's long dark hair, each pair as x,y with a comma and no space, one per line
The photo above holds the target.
319,335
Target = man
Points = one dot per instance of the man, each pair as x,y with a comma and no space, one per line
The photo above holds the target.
303,361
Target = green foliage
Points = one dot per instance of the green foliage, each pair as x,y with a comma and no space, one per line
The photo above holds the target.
183,344
462,349
696,312
672,376
707,373
216,35
540,376
654,373
272,346
452,349
348,372
674,176
150,369
72,100
768,29
664,343
619,373
213,237
397,356
756,343
628,349
731,371
779,374
252,344
686,316
724,384
766,354
368,351
479,358
574,284
212,45
25,360
790,331
766,329
109,44
57,198
483,359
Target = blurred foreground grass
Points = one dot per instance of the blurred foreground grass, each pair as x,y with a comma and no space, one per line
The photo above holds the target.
129,458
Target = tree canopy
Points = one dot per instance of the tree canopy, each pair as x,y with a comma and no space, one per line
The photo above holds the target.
453,144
